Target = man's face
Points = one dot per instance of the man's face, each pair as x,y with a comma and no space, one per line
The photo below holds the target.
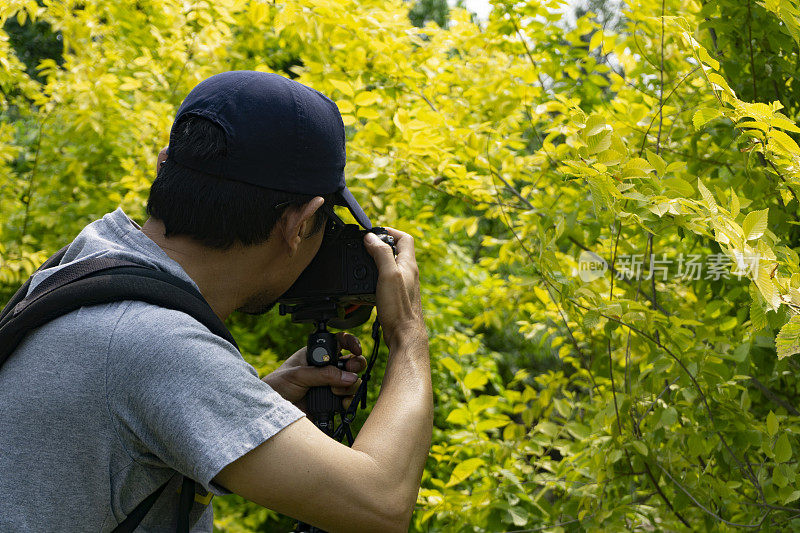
265,300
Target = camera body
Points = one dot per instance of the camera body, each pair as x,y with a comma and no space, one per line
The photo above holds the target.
340,282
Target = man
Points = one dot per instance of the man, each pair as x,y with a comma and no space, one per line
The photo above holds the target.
103,405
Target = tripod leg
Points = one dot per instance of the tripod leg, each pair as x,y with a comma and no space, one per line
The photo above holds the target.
322,403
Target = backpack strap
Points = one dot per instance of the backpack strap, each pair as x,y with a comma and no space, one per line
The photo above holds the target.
107,281
52,261
185,505
136,516
98,281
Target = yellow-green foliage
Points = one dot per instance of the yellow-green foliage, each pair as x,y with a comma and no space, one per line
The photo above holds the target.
507,148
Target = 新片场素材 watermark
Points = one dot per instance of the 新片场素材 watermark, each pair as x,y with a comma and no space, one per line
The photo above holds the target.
716,266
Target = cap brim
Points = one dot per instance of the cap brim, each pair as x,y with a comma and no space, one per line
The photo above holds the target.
349,201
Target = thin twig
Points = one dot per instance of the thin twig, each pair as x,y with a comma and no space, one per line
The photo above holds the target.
653,403
28,195
772,396
664,496
750,43
527,50
661,89
706,509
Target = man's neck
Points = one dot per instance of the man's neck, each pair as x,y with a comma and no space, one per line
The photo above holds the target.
225,277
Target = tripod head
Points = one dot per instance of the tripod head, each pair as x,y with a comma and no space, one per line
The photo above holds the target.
329,310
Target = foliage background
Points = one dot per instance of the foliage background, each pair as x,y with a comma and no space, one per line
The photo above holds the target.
507,147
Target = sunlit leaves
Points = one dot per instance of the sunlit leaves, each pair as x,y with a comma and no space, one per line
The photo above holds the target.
704,115
463,470
755,224
788,340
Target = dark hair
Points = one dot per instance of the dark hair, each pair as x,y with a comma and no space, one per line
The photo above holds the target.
215,211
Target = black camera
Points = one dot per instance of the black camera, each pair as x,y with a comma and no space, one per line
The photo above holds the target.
339,284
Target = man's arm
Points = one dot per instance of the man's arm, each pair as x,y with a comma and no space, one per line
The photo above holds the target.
373,485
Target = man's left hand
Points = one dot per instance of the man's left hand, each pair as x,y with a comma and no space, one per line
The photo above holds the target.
295,376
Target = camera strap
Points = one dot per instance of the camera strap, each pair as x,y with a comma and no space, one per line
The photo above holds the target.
98,281
360,397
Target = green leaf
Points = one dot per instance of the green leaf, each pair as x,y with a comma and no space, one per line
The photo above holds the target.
741,352
600,196
706,58
476,379
344,86
772,424
563,407
450,364
767,287
640,447
755,224
366,98
599,142
787,196
792,497
683,187
720,83
707,196
463,470
590,319
786,142
519,515
704,115
595,42
658,163
779,478
728,323
784,124
636,166
594,125
788,340
458,417
492,423
481,403
548,428
735,205
783,449
578,430
668,417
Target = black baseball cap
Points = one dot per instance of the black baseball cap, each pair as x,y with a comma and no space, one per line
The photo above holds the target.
280,135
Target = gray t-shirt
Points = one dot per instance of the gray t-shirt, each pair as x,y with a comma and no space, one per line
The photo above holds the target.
101,406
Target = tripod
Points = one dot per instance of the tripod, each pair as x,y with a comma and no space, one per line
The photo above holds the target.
322,404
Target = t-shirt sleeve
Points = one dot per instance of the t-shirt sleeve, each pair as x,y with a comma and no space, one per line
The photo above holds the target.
182,397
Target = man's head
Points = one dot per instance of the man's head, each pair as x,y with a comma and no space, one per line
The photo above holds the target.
255,164
213,211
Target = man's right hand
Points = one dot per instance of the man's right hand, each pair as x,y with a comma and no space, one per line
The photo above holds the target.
398,296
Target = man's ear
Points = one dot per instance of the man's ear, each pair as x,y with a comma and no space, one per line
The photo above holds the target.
162,156
296,222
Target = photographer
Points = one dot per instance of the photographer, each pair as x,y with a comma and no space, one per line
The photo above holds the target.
104,405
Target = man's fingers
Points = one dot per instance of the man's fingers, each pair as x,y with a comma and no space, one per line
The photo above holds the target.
380,252
356,364
402,241
311,376
349,342
346,391
406,256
